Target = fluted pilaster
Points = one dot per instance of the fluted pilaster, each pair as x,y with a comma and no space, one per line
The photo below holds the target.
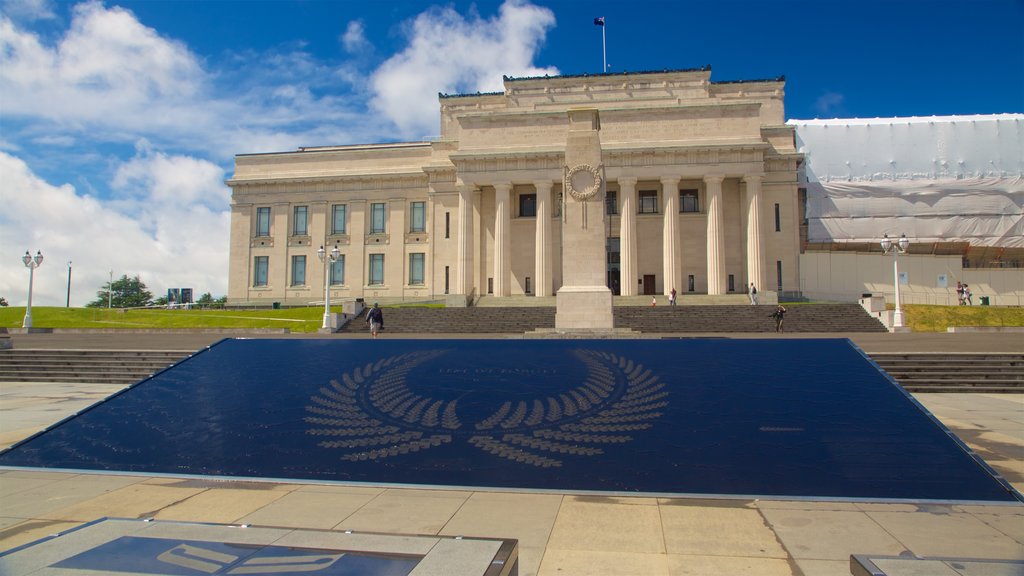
464,264
627,237
670,233
716,236
755,235
542,270
502,239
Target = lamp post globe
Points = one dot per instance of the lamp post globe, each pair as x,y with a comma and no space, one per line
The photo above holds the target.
30,262
896,248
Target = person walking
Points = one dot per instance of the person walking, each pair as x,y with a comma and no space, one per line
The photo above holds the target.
753,294
778,315
672,297
375,319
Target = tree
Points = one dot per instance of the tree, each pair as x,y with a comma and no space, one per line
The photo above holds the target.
123,293
3,301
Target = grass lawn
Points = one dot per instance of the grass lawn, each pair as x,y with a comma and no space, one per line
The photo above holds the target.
295,319
920,318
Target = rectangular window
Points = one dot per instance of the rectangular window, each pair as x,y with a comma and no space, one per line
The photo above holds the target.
778,274
690,284
338,271
416,269
339,217
376,269
732,283
558,205
298,270
378,217
263,221
260,267
778,219
447,224
648,201
418,217
611,202
300,221
527,205
528,288
447,272
688,201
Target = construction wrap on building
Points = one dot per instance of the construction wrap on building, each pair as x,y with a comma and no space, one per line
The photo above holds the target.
937,179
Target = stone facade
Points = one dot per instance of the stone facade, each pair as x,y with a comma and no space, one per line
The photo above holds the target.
479,210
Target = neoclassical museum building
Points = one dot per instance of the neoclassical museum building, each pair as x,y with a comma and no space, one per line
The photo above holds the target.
697,179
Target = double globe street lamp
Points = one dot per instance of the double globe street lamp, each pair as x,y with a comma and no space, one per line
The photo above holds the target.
896,248
31,262
328,258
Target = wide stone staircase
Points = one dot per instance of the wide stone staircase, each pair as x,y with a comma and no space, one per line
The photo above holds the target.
93,366
933,372
824,318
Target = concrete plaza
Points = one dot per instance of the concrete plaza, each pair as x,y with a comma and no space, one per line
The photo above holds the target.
558,533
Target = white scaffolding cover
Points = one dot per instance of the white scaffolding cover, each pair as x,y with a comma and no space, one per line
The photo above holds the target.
938,179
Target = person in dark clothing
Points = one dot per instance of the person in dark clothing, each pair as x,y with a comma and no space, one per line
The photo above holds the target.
375,319
778,315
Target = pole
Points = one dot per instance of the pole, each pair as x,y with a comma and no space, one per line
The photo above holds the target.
897,318
327,293
604,50
27,323
110,290
68,304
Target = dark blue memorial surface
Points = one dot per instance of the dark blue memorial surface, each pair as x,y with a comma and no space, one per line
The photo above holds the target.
802,418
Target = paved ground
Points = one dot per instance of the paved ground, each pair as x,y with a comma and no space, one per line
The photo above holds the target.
558,533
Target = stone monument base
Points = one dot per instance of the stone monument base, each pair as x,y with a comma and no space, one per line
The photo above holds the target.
584,307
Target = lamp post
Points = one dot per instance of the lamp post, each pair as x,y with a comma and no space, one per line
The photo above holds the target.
896,248
328,258
68,303
31,262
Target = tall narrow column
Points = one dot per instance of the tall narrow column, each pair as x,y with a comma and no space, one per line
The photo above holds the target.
670,233
542,266
716,236
755,239
464,270
502,239
627,237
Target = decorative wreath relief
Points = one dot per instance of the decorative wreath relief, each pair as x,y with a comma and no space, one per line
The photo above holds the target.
583,181
374,413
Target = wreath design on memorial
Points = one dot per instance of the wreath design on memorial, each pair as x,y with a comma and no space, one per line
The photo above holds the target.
373,414
579,189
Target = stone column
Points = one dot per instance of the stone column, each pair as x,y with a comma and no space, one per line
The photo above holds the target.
464,262
670,234
627,237
716,236
502,239
542,270
755,236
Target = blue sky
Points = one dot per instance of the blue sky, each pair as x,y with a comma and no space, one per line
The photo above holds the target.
119,120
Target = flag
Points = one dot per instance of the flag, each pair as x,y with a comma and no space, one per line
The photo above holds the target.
599,21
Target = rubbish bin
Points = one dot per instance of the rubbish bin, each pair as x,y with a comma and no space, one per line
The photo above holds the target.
277,305
984,300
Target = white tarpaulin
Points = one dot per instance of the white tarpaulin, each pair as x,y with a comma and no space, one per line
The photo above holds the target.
941,179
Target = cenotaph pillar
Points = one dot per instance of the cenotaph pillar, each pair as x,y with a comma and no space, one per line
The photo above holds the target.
584,302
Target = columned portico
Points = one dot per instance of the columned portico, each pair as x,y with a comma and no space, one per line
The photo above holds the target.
670,233
542,271
755,237
694,166
502,239
627,237
716,236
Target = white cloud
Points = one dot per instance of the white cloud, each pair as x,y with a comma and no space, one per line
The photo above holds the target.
167,244
28,9
354,39
451,53
829,103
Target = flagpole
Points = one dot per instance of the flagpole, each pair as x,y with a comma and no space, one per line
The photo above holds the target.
604,50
